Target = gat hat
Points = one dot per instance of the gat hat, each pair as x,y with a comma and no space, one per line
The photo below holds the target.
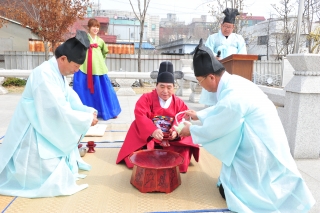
165,72
230,15
75,48
204,62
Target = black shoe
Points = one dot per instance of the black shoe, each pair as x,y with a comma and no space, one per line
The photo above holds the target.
221,190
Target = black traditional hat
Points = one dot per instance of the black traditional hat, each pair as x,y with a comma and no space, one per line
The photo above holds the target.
75,48
165,72
204,62
230,14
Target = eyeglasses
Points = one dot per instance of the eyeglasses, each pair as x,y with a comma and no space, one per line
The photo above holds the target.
228,27
199,82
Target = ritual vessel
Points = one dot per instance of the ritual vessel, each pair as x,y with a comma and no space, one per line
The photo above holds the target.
156,170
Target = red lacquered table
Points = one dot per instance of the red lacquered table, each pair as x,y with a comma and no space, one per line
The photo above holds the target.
156,170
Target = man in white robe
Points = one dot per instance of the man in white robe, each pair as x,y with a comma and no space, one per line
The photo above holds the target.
39,155
244,131
226,43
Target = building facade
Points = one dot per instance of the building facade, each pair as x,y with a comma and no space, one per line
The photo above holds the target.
124,21
15,37
272,40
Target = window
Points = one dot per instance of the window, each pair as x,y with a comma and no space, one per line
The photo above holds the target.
246,41
153,27
308,43
262,40
180,50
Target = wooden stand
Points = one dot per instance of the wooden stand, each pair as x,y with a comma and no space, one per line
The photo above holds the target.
156,170
240,64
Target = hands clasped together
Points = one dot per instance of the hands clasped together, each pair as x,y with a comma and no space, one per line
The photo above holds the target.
160,136
185,131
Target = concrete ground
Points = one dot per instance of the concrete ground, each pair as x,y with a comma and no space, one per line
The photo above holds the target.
309,168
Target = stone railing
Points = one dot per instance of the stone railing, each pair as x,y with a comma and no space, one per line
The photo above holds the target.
124,79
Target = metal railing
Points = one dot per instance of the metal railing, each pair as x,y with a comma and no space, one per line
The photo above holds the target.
115,62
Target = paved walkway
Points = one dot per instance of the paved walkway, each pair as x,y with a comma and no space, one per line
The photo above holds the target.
308,168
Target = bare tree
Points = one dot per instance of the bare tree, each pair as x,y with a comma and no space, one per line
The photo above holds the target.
311,9
49,19
141,16
314,37
217,8
287,35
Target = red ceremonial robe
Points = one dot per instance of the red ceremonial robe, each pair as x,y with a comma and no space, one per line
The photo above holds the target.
138,136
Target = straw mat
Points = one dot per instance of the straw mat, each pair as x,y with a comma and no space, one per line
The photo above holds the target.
117,127
107,137
110,190
5,201
113,133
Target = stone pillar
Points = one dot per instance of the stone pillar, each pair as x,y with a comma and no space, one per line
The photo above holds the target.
194,86
184,85
196,91
301,107
179,87
287,70
2,89
125,86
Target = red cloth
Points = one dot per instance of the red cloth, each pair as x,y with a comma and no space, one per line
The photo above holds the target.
142,127
89,67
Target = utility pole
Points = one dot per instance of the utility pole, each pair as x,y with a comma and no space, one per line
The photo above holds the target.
98,12
297,40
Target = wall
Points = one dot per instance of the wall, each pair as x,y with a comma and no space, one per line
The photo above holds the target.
116,62
23,60
14,37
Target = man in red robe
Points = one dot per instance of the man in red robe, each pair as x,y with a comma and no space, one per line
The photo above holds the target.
154,118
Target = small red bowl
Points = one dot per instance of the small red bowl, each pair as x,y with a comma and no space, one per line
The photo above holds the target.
90,143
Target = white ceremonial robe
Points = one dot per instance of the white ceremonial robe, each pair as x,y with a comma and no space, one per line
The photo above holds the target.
234,44
39,155
244,131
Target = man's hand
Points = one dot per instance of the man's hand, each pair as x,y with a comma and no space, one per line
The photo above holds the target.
95,119
191,114
185,132
157,134
173,134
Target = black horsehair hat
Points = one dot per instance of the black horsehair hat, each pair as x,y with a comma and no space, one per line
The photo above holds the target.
230,15
204,62
165,74
75,48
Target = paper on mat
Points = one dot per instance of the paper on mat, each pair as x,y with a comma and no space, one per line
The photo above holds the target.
97,130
